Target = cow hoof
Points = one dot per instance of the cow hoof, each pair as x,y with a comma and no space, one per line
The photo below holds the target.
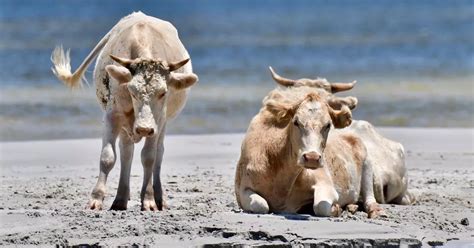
336,210
94,204
119,205
375,211
149,205
162,205
352,208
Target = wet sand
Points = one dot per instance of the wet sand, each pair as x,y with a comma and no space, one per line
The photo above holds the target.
46,184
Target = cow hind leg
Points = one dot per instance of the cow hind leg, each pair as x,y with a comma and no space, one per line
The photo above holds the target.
406,198
403,196
253,202
126,157
371,189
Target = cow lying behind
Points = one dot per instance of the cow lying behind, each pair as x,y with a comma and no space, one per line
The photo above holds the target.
292,157
142,75
386,157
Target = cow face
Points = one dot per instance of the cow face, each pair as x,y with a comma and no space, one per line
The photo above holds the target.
309,123
149,83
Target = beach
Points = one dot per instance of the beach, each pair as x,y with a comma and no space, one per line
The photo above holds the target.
46,184
413,62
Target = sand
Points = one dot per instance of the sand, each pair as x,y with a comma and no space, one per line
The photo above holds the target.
46,184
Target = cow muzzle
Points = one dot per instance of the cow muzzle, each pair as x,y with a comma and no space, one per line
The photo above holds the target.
144,131
311,159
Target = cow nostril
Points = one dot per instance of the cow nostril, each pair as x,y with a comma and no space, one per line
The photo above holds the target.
144,131
311,157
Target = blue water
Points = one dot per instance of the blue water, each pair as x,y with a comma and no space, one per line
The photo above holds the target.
414,60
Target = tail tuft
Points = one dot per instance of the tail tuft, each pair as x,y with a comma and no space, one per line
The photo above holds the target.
62,68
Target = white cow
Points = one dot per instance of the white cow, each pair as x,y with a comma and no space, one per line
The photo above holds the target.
142,76
293,155
386,157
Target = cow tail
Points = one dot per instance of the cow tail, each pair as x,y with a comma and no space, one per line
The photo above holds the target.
62,67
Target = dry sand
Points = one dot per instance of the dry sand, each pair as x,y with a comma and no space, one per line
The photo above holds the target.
46,184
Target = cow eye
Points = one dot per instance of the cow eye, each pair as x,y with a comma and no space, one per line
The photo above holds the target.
327,127
161,95
296,123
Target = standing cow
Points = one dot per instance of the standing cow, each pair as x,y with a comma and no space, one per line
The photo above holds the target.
386,157
142,76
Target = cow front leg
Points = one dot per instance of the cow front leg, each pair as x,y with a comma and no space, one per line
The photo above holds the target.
253,202
107,161
126,156
158,191
148,161
325,201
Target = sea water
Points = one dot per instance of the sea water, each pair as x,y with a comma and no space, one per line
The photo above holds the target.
413,60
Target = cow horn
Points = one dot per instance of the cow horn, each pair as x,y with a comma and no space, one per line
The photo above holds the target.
281,80
176,65
124,62
337,87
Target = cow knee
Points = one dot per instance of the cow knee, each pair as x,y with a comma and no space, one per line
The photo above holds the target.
254,203
148,160
322,208
258,205
407,199
107,158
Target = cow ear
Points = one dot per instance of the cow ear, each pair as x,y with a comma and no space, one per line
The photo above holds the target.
337,102
181,81
281,111
341,118
119,73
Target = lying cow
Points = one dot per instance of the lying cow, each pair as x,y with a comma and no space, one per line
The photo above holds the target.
387,157
146,86
292,157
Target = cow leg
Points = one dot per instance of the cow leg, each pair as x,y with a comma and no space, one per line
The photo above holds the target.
126,156
367,190
406,198
325,201
253,202
158,191
148,160
107,161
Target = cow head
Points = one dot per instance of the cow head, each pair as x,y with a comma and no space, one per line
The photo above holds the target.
149,81
309,121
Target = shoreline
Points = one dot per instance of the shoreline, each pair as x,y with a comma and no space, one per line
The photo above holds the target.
46,185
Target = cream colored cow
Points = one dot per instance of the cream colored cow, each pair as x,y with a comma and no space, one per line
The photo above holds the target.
292,156
386,157
142,76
